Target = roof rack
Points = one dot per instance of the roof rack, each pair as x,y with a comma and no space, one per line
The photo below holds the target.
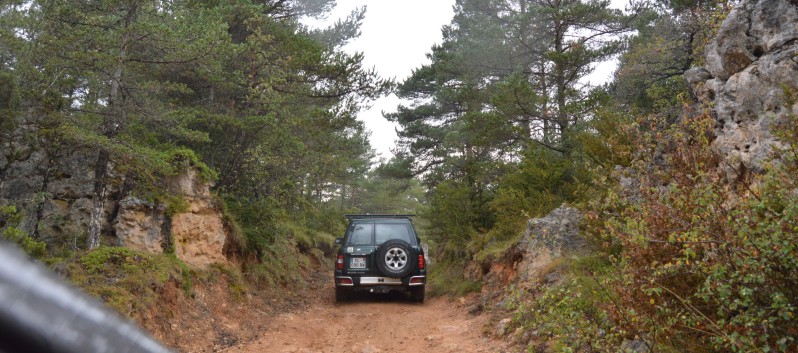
363,216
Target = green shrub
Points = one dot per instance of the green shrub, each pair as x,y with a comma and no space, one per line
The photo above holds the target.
280,264
258,221
706,265
236,283
574,312
126,279
447,279
182,158
9,219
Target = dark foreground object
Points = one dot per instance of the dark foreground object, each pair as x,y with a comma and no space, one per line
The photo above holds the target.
39,313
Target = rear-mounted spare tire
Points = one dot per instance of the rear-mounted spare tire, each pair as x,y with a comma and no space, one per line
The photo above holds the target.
394,258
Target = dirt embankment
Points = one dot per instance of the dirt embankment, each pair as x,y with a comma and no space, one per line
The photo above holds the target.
214,317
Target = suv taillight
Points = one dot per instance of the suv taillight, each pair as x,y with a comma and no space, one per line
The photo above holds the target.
420,262
340,263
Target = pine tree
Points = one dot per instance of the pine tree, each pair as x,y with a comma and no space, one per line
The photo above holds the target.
505,83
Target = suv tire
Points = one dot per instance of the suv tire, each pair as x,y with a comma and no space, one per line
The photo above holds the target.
394,258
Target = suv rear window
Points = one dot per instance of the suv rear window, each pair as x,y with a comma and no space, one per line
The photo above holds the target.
360,234
386,231
378,231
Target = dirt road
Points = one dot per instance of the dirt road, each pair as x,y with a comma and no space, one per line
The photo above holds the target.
374,323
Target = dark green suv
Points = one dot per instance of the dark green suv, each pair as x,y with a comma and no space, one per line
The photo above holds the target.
379,254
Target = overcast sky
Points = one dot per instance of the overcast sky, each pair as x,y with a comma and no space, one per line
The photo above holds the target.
396,36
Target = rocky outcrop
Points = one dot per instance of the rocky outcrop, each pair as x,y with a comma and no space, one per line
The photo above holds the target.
52,186
556,233
528,262
140,225
546,239
750,63
199,234
196,235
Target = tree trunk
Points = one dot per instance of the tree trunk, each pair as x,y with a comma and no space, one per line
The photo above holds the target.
96,219
545,108
112,124
43,198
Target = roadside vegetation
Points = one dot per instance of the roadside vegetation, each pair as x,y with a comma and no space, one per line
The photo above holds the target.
256,103
501,131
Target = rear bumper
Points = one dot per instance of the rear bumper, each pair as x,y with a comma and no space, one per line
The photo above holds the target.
411,281
417,281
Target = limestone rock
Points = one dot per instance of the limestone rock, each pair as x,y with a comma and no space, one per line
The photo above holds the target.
527,265
503,327
773,24
637,345
52,192
139,225
697,79
558,232
731,50
53,188
752,60
199,234
190,184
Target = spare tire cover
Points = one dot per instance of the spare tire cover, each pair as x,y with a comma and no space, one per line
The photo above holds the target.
394,258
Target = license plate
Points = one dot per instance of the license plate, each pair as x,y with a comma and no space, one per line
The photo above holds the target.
357,262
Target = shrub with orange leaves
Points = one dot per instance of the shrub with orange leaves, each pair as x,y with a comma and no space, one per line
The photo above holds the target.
706,265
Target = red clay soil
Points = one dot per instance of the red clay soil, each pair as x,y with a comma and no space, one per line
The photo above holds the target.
371,324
